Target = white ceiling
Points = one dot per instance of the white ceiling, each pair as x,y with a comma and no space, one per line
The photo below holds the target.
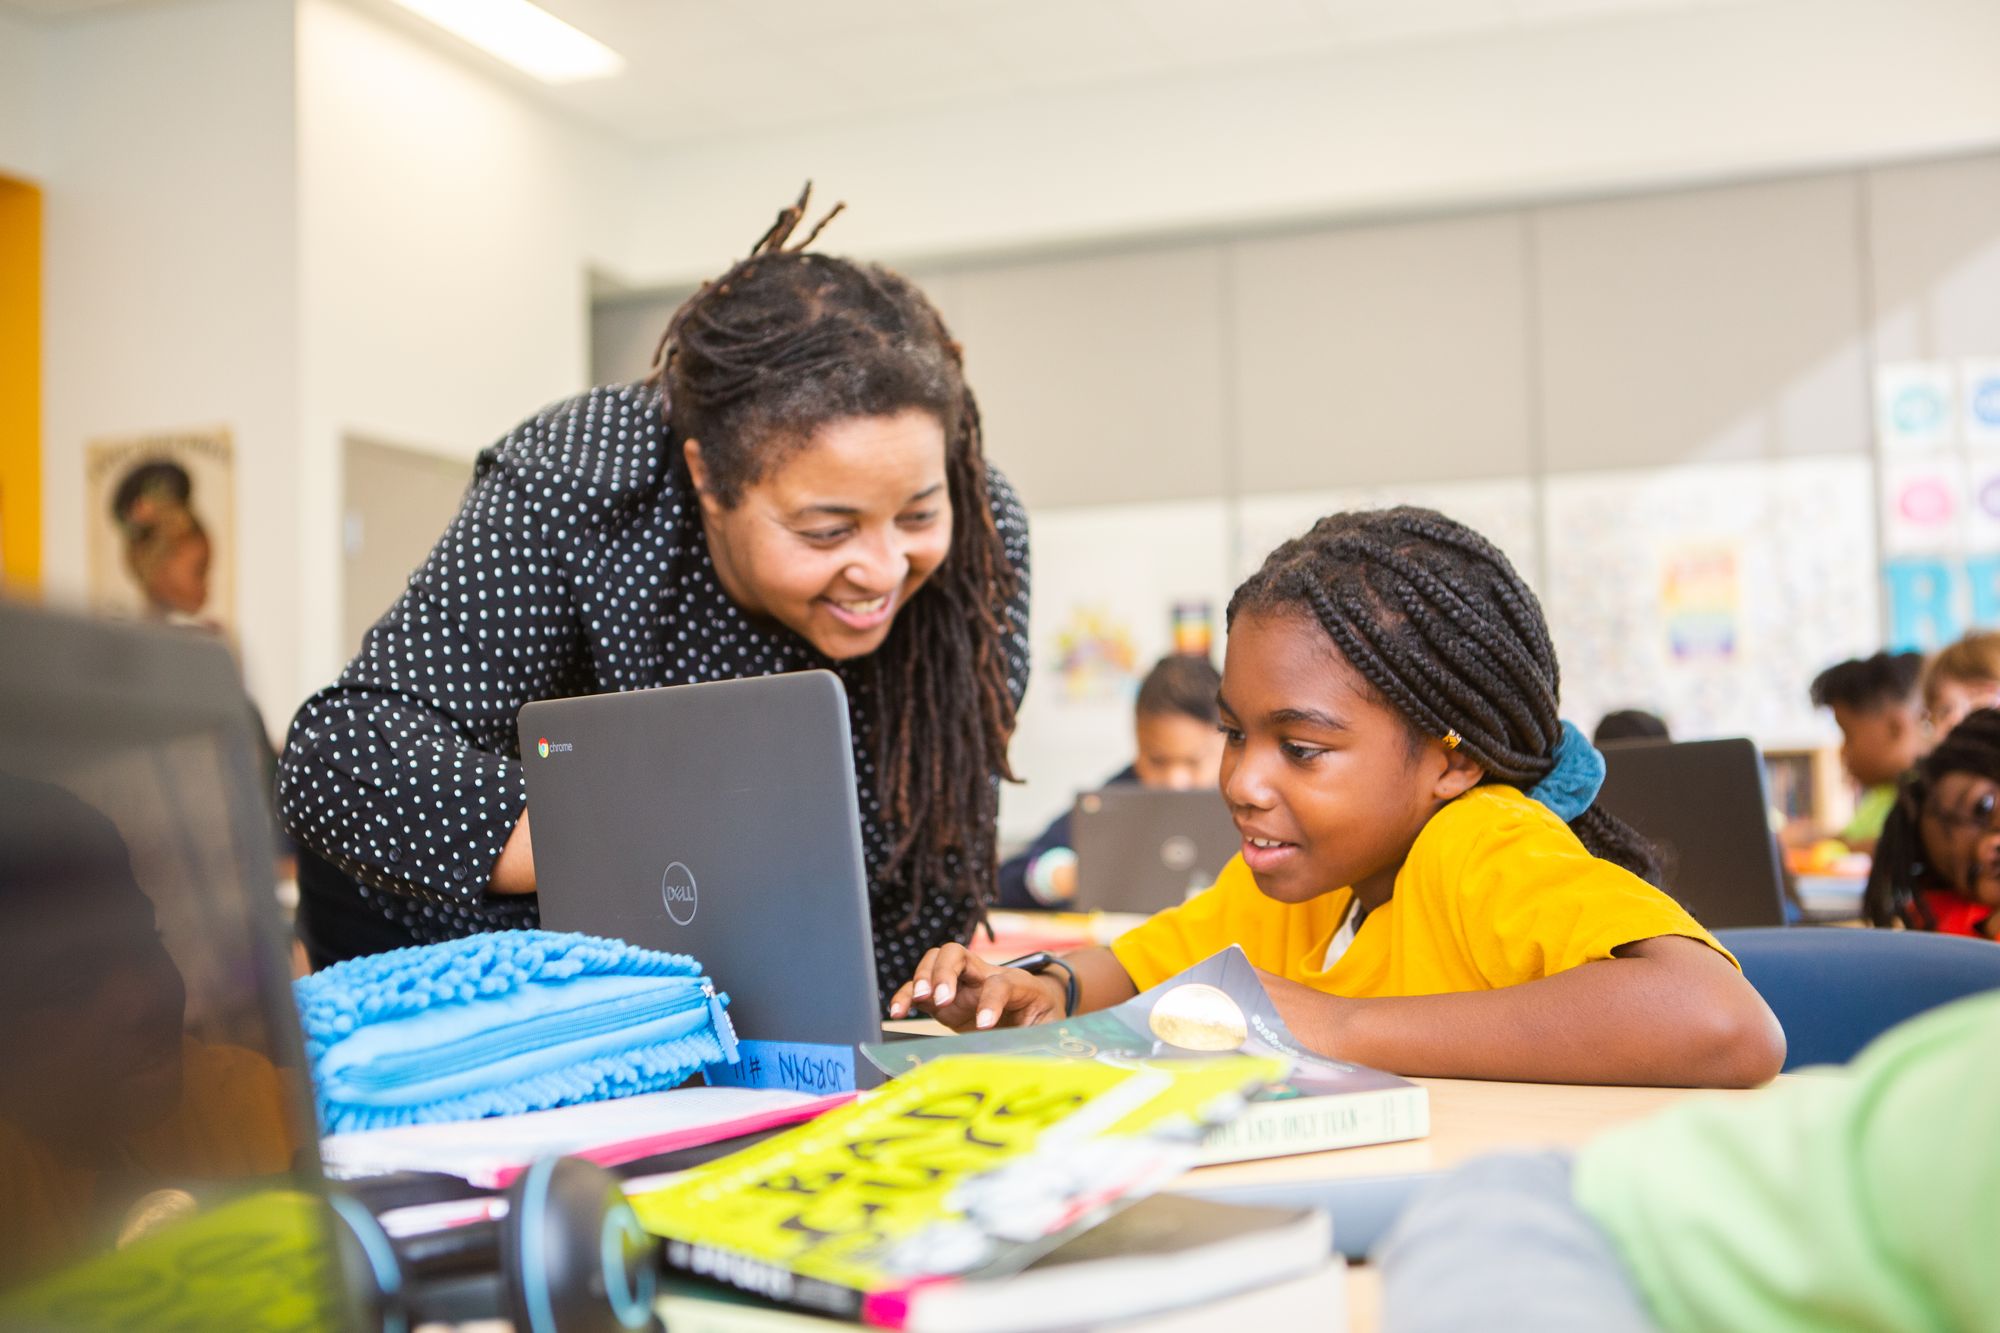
702,68
62,9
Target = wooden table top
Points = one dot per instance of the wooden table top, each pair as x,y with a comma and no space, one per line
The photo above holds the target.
1468,1118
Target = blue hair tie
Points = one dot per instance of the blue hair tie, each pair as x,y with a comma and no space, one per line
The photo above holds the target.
1572,785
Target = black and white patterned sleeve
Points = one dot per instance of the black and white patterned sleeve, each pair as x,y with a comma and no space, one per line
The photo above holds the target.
405,772
1011,519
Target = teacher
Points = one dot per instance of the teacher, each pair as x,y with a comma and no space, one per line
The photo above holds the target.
800,484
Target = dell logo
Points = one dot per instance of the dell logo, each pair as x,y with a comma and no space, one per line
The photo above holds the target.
677,892
1177,853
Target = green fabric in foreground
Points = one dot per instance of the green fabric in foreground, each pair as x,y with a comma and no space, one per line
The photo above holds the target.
1860,1198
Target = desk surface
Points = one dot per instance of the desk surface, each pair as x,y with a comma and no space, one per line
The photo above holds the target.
1467,1119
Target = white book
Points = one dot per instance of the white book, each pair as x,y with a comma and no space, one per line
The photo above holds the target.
489,1152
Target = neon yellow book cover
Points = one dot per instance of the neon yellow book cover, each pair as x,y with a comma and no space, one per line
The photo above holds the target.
969,1166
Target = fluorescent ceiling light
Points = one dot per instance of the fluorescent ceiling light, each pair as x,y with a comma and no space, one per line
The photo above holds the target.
526,36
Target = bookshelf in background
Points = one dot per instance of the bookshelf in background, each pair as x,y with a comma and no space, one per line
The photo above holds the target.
1810,789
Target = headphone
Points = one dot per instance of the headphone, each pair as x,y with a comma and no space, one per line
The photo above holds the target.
567,1256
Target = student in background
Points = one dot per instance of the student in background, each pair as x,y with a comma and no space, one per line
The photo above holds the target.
1629,724
1863,1198
1962,676
1938,864
1426,879
1877,707
1176,747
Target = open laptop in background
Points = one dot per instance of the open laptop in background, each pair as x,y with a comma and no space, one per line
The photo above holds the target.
1141,849
719,820
146,985
1706,806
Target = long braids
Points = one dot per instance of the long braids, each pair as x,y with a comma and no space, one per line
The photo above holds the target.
1435,618
761,356
1901,865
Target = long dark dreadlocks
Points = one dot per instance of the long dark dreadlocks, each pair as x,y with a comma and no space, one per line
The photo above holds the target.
1902,865
1434,617
753,363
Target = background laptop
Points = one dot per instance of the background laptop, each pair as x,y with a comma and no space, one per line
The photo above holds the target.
718,820
1705,804
1139,849
147,992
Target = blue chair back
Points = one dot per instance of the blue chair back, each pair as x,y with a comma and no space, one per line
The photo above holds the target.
1837,990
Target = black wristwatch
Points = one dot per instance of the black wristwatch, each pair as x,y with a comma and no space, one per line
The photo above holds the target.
1041,962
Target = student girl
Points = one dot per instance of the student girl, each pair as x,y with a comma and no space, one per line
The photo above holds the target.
1938,864
1425,878
1176,748
1963,676
800,484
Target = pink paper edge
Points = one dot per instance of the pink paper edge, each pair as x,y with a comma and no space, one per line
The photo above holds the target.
695,1136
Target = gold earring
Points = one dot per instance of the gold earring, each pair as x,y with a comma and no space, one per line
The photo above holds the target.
1452,740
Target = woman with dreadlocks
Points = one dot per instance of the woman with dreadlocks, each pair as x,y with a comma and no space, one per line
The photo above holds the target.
1426,880
800,484
1937,866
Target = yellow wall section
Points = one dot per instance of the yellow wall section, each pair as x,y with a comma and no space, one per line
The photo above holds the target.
20,383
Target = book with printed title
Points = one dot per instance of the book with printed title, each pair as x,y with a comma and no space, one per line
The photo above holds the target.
965,1169
1215,1006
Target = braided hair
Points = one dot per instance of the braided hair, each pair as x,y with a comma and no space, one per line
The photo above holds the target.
1901,864
1435,619
752,364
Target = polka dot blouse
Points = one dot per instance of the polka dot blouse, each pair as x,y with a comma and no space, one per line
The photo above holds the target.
577,565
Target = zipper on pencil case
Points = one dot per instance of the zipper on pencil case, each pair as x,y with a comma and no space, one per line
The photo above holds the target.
395,1071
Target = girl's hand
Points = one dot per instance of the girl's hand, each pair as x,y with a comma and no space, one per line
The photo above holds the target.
962,990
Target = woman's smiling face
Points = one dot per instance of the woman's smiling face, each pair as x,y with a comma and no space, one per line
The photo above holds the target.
1960,828
836,539
1327,784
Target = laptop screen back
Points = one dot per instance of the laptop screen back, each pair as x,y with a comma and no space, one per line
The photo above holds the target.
1704,806
719,820
1141,849
158,1163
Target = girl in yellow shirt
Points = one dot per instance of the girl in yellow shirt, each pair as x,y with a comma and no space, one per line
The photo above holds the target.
1425,879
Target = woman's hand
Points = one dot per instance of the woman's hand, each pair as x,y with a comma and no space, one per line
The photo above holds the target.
514,869
962,990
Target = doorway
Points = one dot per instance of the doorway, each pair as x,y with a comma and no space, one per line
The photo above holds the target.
396,503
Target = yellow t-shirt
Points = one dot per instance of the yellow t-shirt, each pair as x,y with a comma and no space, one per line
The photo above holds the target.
1496,891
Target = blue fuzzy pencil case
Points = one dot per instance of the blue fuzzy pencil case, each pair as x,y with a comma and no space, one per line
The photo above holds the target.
495,1024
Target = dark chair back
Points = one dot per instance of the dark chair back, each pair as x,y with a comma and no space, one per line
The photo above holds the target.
1837,990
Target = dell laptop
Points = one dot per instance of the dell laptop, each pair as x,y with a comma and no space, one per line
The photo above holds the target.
718,820
1705,806
1139,849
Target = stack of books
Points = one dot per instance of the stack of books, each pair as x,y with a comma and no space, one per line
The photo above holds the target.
999,1183
990,1194
1167,1263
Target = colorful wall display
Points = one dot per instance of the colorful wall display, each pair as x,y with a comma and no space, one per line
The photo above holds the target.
1915,405
1711,594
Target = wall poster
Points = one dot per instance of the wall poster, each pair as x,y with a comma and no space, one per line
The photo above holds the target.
160,526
